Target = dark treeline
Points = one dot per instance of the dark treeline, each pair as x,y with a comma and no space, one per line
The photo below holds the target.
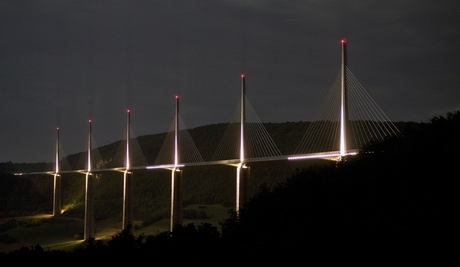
396,202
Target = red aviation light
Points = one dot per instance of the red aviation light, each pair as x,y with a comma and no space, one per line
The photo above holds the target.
128,110
344,41
89,120
243,76
177,96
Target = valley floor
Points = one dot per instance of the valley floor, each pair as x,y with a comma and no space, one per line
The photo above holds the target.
66,233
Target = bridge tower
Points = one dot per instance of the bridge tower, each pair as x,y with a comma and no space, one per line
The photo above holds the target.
343,101
176,177
57,199
89,195
242,171
127,179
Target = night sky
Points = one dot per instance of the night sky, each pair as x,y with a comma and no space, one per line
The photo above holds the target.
65,62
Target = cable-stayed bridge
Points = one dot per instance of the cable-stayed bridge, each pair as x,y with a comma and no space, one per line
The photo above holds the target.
347,120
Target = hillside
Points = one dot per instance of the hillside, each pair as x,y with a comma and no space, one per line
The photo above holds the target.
204,185
151,189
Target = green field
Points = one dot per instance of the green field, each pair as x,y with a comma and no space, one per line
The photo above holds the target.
67,233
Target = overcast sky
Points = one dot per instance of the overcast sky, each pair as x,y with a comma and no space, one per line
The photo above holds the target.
64,62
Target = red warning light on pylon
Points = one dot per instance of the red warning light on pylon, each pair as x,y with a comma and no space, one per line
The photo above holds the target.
177,96
344,41
242,75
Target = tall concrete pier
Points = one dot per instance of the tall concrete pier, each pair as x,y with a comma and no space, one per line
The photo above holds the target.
57,195
176,177
127,179
242,171
89,195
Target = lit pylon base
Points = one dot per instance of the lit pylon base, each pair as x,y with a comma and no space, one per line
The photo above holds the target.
176,198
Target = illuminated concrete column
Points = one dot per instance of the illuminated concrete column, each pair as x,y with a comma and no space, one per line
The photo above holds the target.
176,177
242,171
57,204
127,200
127,180
89,195
176,198
242,186
89,207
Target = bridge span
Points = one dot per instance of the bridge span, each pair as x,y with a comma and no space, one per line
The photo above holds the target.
343,130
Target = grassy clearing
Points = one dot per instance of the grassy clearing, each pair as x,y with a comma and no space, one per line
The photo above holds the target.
67,233
51,234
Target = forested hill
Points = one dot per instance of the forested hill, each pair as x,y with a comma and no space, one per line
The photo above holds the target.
207,185
396,202
286,136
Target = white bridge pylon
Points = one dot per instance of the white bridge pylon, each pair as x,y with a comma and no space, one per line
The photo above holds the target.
241,161
242,171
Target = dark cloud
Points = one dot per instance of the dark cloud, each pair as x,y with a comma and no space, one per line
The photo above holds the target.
63,62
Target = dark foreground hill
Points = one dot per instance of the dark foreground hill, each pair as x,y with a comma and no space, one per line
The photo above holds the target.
395,203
